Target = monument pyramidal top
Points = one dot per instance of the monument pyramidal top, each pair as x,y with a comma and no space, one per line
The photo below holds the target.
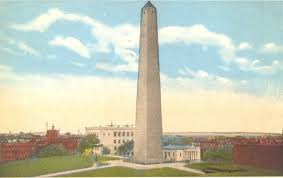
149,4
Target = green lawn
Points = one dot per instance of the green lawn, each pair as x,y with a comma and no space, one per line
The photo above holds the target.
106,158
230,169
48,165
128,172
44,165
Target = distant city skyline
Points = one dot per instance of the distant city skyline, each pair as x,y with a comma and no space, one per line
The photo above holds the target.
75,65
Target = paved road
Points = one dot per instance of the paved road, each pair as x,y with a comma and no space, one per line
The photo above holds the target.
115,163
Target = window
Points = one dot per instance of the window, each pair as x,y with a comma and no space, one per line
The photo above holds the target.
115,148
128,134
123,141
180,154
168,153
115,134
114,141
108,134
123,134
132,134
119,134
119,141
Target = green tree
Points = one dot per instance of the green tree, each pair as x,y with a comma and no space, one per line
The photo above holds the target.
221,154
126,147
105,150
88,142
52,150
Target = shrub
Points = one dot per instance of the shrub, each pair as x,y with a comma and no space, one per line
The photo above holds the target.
221,154
52,150
105,150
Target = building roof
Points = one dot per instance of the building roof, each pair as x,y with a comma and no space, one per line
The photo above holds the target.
111,127
179,147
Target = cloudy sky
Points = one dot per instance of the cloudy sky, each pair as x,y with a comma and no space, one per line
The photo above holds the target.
75,64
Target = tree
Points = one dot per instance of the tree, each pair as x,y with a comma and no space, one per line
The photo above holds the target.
52,150
105,150
88,142
176,140
126,147
221,154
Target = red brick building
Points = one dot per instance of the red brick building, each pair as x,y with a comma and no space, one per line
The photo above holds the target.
16,151
269,156
23,150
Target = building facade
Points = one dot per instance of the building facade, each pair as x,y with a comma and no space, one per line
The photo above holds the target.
27,149
181,153
16,151
268,156
112,136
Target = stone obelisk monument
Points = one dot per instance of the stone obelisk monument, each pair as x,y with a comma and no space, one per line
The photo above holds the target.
148,127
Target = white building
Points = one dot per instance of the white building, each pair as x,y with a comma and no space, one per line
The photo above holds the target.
181,153
97,149
112,136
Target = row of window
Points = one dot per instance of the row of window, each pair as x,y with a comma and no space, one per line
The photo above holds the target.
123,134
168,154
173,154
120,141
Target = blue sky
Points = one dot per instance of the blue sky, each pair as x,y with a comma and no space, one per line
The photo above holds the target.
235,46
252,24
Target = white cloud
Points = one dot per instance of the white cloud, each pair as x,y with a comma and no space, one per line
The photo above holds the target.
7,74
78,64
72,44
130,67
241,61
270,69
40,23
198,34
27,49
10,51
5,68
257,66
244,46
224,68
123,38
203,79
271,48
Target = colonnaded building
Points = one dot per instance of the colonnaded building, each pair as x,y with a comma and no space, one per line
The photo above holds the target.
113,136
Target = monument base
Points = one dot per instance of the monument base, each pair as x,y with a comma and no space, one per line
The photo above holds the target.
131,160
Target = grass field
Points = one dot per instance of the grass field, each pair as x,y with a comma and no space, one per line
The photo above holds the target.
44,165
102,159
128,172
47,165
230,169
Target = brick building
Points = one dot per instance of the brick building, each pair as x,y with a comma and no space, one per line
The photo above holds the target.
28,149
268,156
16,151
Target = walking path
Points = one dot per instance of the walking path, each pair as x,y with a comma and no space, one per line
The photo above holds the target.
115,163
